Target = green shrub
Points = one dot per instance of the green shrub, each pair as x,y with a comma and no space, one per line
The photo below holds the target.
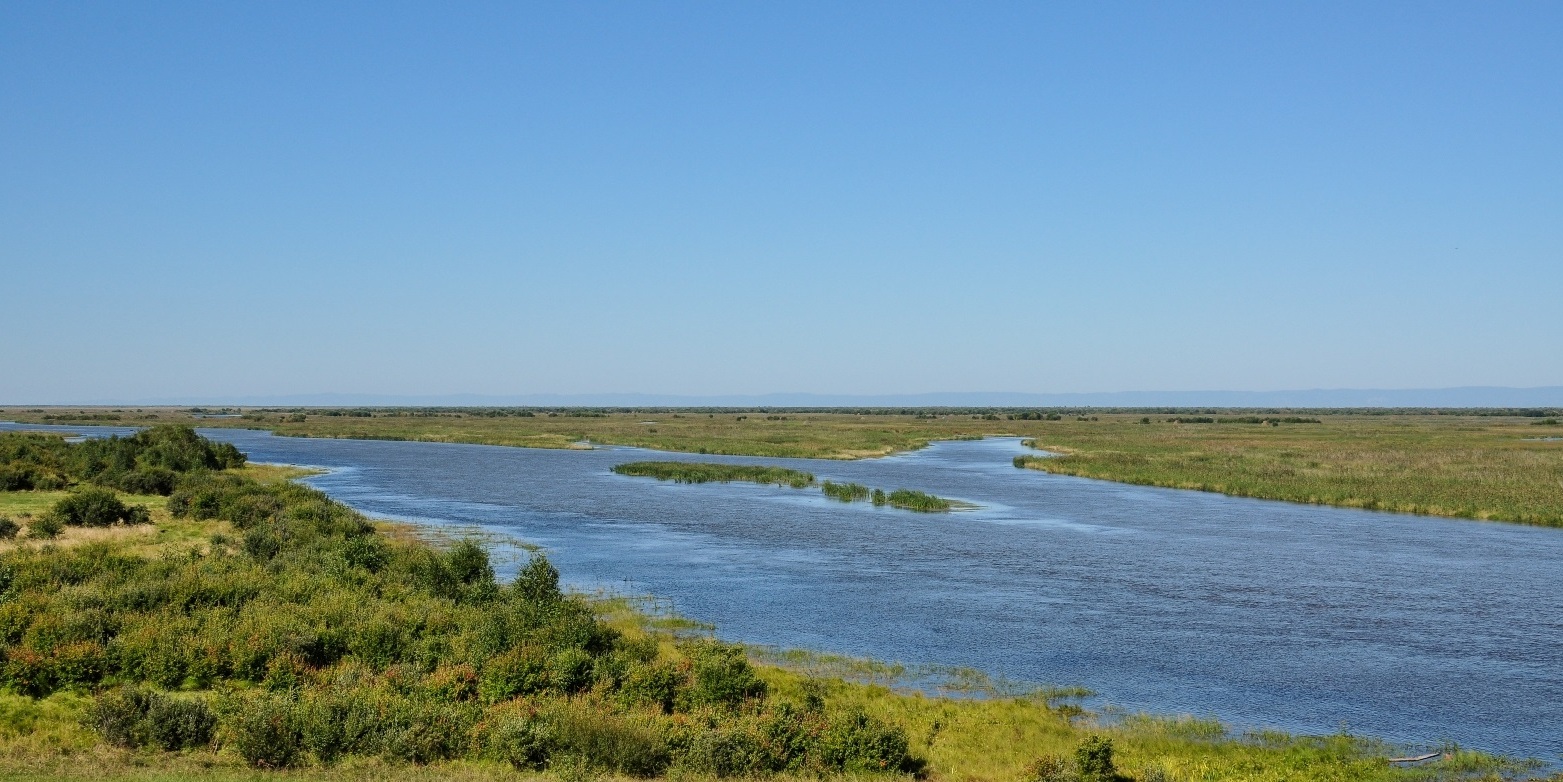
525,741
721,675
180,723
856,742
94,507
571,670
1050,768
120,717
265,731
132,718
538,581
1094,759
728,752
655,683
147,480
524,670
609,742
45,527
8,528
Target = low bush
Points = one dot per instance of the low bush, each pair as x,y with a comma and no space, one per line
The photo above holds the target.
97,507
135,718
1094,760
327,641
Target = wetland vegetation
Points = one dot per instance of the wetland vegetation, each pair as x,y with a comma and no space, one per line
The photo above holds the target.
256,626
1481,464
703,472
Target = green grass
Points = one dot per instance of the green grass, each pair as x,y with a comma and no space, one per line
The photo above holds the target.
845,492
1453,463
700,472
908,499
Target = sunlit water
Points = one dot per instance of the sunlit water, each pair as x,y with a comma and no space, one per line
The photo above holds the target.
1263,614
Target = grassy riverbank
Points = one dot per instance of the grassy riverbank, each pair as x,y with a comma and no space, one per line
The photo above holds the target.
256,626
1494,466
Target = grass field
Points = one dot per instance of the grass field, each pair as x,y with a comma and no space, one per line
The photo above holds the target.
1496,467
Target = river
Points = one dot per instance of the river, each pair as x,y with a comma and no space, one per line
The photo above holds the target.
1262,614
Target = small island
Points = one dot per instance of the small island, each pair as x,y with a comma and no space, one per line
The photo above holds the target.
706,472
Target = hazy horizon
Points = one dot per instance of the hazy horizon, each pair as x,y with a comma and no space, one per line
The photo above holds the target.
1469,397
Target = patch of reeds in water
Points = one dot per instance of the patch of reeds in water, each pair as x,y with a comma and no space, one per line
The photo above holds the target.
846,492
704,472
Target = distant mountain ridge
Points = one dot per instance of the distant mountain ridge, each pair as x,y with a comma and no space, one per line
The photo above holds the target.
1466,396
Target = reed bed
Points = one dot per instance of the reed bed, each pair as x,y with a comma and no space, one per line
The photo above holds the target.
703,472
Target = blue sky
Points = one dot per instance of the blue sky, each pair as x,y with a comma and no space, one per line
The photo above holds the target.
224,199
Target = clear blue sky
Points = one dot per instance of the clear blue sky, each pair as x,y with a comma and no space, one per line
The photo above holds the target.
270,198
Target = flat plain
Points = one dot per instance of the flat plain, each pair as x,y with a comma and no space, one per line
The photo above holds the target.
1498,465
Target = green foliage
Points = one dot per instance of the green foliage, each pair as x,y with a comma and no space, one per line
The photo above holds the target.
8,528
722,675
858,742
95,507
701,472
1094,760
538,582
324,640
148,462
45,527
1050,768
879,497
846,492
908,499
134,718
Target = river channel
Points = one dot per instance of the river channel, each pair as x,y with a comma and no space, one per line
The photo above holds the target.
1262,614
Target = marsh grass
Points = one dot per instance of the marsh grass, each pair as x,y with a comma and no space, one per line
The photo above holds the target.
909,499
703,472
845,492
1469,464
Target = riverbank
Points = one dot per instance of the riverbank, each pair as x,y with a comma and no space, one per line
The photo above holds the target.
296,569
1489,465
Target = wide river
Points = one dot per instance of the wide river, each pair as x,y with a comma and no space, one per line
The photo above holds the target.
1262,614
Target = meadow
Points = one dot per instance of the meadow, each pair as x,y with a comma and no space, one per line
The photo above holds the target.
1497,465
253,628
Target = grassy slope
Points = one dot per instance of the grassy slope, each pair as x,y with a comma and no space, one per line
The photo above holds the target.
1463,466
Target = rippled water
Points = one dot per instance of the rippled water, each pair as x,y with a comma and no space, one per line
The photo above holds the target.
1263,614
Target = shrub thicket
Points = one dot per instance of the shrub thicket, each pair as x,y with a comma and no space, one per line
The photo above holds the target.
308,637
148,462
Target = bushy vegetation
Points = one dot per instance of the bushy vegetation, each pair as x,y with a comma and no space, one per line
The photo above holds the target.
148,462
704,472
308,637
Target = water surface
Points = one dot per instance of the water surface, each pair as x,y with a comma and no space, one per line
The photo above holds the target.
1264,614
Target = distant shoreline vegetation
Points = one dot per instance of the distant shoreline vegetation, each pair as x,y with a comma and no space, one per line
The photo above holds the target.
705,472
